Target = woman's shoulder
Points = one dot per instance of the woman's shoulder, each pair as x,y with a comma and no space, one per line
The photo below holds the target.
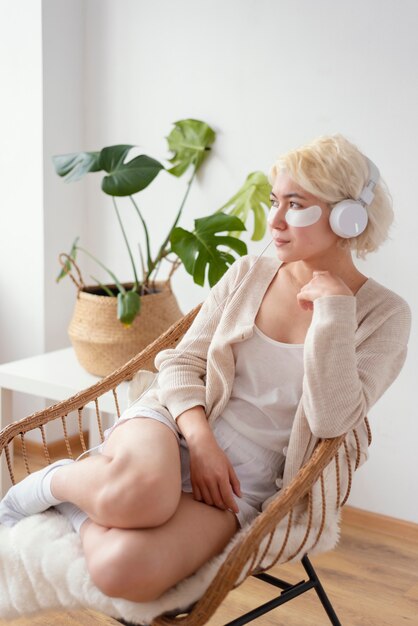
261,263
376,302
259,270
378,293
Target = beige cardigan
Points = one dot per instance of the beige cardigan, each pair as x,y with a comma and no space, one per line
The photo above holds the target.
354,349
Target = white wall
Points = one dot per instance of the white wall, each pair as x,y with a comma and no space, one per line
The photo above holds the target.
41,109
267,75
21,164
41,73
63,57
21,232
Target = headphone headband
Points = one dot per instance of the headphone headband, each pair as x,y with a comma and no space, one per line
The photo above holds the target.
367,193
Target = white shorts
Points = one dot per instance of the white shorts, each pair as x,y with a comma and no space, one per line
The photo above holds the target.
257,468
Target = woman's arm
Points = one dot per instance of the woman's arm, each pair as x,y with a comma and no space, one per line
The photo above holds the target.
342,382
182,370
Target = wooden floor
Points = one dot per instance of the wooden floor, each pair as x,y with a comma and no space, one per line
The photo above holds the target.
371,579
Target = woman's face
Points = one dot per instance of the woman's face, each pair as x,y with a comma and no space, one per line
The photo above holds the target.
290,212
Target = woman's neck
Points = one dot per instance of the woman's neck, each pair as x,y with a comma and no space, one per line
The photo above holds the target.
301,272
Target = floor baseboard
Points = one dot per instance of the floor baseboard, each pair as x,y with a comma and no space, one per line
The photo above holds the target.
382,523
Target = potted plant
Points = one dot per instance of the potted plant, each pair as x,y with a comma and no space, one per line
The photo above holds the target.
206,252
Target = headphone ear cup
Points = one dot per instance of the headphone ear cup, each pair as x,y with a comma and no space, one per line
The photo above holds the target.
348,219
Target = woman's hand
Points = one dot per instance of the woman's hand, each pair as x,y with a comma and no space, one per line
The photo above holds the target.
322,284
212,476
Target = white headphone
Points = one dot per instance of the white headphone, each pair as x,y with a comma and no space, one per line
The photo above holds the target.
349,218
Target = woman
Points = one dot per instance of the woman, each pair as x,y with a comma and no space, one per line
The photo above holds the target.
284,351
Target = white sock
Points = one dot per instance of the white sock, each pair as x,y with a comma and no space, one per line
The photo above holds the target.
32,495
76,516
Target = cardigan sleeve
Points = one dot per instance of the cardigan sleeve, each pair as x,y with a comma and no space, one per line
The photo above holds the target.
182,370
342,381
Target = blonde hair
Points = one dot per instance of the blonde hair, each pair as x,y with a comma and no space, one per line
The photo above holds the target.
333,169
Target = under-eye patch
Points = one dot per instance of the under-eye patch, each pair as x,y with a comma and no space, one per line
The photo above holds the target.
303,217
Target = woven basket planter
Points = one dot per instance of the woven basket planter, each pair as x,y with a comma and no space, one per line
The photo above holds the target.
102,343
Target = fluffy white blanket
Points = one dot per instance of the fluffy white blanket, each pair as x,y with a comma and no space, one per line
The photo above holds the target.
42,567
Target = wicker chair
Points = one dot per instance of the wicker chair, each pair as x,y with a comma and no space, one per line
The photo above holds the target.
248,556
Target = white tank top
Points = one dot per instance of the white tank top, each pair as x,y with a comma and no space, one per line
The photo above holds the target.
266,390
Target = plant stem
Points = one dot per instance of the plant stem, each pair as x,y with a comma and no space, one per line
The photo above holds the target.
147,239
141,258
127,243
163,252
104,287
117,282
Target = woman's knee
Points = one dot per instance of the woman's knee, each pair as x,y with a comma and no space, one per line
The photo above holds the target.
118,575
132,498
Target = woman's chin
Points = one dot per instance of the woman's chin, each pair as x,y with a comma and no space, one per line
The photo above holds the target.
284,255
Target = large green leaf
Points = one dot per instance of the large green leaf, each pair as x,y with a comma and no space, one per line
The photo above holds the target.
76,165
112,157
190,141
199,249
253,196
125,179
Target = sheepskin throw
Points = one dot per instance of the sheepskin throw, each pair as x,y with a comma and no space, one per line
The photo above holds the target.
42,567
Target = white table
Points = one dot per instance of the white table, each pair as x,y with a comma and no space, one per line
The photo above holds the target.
54,376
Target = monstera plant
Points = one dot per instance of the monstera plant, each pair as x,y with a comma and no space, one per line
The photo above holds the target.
207,250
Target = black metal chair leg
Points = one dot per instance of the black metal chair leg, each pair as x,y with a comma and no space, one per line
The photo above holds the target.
320,591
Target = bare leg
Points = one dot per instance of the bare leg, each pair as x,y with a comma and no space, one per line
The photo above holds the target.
139,565
135,483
